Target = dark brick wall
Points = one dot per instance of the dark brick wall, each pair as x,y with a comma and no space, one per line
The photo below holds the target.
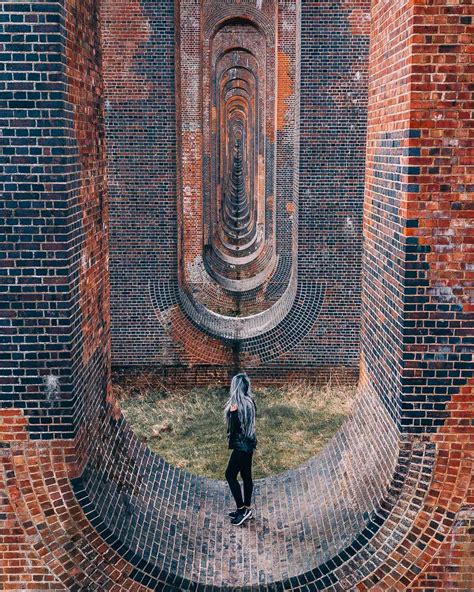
139,74
36,218
334,55
55,309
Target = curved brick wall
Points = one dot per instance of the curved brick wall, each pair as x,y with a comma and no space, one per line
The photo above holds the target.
388,504
173,527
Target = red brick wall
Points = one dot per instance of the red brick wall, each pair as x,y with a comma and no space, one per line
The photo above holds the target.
416,212
438,207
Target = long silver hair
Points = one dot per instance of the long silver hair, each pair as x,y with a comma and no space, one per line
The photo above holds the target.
241,395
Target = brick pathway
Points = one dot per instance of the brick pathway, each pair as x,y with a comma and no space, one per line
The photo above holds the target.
170,519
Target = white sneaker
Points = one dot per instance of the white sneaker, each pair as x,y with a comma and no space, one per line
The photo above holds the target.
242,517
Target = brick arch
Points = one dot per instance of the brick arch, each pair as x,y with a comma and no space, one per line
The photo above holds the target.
86,505
216,19
97,524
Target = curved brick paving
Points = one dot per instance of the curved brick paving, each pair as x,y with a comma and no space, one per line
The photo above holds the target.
177,522
175,533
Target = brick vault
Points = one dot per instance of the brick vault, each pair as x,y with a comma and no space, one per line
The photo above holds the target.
274,184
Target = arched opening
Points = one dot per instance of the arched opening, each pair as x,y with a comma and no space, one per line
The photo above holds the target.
330,507
87,505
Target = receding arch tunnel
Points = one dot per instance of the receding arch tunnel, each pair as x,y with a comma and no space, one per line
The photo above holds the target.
236,112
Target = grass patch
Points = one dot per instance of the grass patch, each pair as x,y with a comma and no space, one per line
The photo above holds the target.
186,427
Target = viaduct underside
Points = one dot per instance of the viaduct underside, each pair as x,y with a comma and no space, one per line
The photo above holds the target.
204,184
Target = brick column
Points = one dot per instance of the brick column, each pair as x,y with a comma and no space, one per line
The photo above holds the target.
416,222
416,325
55,348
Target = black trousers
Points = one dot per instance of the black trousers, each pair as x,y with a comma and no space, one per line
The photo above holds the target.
240,462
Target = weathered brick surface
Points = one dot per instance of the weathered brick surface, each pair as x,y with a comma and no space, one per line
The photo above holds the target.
388,504
141,154
416,222
330,172
37,204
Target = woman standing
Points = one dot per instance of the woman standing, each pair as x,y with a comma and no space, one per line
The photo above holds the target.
240,413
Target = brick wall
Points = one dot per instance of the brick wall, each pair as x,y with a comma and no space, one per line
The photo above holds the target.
36,217
388,504
55,313
416,212
139,74
386,186
151,328
417,353
334,56
438,206
54,305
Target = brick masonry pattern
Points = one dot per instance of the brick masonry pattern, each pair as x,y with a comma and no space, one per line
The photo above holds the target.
391,499
142,184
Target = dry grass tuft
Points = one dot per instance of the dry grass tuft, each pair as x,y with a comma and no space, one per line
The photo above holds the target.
186,426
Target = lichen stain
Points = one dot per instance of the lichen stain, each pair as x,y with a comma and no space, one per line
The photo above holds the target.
52,387
285,89
125,29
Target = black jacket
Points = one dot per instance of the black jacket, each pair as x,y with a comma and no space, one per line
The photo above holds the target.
237,440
